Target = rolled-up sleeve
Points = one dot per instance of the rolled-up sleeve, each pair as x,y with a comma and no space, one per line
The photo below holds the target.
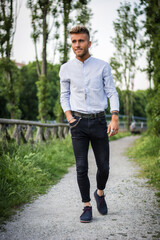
64,89
110,89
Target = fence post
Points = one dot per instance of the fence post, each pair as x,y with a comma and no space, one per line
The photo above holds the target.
39,135
54,132
65,131
60,132
47,134
29,133
18,134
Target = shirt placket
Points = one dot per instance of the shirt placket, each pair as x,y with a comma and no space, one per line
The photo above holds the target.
85,87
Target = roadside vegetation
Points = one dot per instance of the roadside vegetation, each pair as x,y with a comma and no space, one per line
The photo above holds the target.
146,152
120,135
29,170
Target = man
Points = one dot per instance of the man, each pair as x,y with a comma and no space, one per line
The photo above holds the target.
86,83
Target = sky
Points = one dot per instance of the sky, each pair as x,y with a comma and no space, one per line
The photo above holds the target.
104,13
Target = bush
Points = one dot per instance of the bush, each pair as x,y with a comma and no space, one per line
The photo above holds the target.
27,171
147,153
153,111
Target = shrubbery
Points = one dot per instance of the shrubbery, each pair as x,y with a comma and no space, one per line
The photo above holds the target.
28,170
146,152
153,111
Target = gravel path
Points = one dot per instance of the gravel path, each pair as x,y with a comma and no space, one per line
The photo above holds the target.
133,209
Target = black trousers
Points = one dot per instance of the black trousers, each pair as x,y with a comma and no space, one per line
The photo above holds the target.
84,131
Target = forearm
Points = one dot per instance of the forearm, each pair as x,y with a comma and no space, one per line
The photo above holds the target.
114,114
69,116
114,124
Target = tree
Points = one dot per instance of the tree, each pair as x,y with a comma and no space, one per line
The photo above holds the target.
40,12
28,90
152,23
9,79
3,108
9,72
126,43
68,9
139,103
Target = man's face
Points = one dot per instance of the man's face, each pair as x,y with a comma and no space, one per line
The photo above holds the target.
80,44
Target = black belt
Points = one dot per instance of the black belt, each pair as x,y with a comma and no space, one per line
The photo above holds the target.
91,115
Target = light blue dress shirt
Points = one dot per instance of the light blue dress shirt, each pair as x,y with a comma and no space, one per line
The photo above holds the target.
86,86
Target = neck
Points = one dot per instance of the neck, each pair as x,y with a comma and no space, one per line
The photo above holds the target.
83,58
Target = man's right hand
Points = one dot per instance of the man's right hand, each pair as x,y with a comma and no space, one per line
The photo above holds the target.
69,116
73,120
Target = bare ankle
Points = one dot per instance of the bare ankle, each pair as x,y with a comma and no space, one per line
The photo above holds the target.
87,204
100,192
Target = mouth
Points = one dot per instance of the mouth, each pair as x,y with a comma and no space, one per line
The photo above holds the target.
78,50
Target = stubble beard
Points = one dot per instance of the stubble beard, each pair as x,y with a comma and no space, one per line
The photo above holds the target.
81,55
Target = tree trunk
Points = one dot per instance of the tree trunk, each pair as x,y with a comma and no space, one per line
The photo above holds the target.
66,12
44,50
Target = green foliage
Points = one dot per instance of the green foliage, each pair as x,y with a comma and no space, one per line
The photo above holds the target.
53,77
119,135
23,91
28,92
152,10
57,108
3,108
126,43
121,101
82,14
115,65
152,23
40,13
140,101
147,153
27,171
40,8
8,17
10,85
43,97
153,111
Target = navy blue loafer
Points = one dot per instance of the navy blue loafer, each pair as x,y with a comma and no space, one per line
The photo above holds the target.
101,203
86,216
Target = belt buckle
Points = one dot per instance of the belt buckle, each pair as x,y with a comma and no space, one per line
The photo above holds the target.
93,115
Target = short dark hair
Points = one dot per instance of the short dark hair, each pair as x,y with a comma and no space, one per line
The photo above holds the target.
80,29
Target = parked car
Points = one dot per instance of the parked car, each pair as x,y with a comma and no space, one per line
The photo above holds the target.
138,127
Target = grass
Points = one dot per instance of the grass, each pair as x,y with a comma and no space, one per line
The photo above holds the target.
29,170
146,152
119,135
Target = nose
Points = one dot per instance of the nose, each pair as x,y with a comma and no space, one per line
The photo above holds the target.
77,44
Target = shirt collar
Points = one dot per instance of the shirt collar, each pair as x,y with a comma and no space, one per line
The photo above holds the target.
87,60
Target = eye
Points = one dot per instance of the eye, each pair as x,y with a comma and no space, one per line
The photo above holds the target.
74,41
81,40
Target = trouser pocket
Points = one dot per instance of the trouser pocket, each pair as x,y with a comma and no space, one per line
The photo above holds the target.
75,123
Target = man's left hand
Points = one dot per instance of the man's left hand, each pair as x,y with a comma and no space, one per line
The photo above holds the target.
113,126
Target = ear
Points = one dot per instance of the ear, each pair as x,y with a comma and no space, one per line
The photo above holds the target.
89,44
